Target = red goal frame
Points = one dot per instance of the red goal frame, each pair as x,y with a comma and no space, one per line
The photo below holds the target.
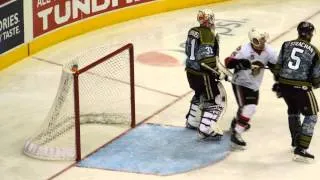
76,75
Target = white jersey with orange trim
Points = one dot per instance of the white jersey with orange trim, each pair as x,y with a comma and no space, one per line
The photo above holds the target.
245,77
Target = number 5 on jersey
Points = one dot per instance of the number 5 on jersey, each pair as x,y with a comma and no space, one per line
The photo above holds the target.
294,62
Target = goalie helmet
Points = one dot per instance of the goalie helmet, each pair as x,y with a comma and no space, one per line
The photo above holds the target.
206,18
305,30
258,38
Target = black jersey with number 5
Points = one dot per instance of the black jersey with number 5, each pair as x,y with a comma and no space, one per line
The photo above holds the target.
298,63
201,46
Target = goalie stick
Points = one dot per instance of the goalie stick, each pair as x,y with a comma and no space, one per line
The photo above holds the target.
222,68
228,75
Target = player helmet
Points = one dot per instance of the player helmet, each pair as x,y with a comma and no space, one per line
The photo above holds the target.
206,18
258,38
305,30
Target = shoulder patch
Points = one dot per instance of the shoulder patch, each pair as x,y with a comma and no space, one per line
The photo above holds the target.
194,33
234,53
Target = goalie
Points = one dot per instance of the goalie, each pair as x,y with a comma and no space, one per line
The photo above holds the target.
208,102
248,62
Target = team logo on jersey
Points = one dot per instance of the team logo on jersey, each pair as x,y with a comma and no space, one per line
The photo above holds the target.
234,53
252,57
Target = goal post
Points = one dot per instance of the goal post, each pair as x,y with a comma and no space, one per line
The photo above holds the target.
96,87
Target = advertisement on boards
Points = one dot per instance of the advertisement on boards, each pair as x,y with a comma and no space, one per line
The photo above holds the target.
11,24
52,14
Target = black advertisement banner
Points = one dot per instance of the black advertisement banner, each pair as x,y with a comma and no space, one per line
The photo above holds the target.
11,24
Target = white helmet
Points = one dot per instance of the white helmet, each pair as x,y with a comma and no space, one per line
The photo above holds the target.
206,17
258,38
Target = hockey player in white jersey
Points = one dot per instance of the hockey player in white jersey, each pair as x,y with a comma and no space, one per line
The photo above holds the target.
248,62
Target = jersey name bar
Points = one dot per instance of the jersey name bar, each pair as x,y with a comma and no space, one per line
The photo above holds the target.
303,45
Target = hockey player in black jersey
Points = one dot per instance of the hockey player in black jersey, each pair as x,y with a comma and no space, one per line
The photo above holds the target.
297,73
208,102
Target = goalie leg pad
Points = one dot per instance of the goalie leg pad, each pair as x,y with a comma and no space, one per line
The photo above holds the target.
208,124
193,117
212,111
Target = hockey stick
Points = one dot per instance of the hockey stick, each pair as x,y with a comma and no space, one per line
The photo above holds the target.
256,66
222,68
227,77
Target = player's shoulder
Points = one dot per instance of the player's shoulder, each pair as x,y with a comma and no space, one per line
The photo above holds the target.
287,43
308,45
241,50
200,29
195,32
317,52
244,47
315,48
269,49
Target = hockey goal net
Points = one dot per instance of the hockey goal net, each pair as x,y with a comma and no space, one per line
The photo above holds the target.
95,87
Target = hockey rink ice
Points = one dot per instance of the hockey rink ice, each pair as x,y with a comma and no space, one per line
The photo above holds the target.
28,88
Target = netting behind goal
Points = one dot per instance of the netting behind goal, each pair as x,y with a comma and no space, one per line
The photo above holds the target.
101,90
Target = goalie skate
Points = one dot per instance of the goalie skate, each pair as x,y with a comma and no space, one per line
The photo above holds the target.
189,126
210,137
302,155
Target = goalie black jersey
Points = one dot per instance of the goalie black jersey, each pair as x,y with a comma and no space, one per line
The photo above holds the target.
298,64
201,46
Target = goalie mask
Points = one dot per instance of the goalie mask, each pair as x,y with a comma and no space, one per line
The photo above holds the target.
258,38
305,30
206,18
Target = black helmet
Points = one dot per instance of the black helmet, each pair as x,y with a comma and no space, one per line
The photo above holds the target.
305,29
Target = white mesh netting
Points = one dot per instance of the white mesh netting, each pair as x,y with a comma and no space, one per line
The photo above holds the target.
104,98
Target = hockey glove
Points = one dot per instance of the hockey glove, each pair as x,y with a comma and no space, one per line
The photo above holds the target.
276,89
316,83
242,64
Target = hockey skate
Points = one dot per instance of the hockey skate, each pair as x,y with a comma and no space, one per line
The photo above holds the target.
233,125
210,137
237,143
302,155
